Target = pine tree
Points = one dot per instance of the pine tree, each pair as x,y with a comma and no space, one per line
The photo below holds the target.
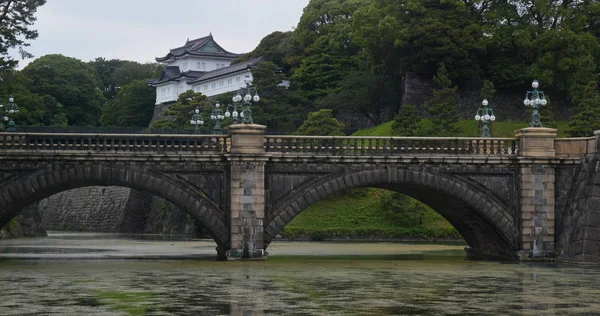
587,117
321,123
442,106
181,111
16,17
406,122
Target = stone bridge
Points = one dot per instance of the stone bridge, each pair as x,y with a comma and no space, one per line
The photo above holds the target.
524,197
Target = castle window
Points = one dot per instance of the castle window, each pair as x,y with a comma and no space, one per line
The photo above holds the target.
205,87
203,66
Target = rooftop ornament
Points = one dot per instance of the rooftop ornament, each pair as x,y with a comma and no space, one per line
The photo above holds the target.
535,99
251,94
7,115
485,115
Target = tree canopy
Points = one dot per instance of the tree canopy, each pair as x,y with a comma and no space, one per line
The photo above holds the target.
72,83
321,123
16,19
133,106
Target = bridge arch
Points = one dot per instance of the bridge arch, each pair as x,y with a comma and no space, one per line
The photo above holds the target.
21,190
485,223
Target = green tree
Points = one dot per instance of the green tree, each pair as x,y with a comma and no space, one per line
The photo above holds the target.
180,112
487,91
322,41
115,73
364,93
320,72
587,117
321,123
34,109
16,19
130,71
72,83
403,210
585,95
104,72
277,107
442,106
275,47
416,36
406,122
133,106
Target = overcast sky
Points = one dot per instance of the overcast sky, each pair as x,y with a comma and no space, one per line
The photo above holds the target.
141,30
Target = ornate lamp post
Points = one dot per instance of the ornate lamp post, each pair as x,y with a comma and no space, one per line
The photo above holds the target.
196,119
8,114
535,99
246,114
233,113
217,116
486,115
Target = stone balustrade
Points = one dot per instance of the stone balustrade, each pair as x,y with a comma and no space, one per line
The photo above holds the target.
114,143
374,146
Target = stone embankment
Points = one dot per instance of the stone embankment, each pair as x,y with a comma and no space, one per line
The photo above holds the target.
114,210
26,224
579,234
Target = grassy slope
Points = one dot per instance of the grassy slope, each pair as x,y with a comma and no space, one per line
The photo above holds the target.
359,213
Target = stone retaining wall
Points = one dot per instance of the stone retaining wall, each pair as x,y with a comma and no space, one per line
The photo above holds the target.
26,224
579,232
114,210
93,209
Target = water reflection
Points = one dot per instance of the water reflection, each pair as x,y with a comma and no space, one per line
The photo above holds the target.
434,281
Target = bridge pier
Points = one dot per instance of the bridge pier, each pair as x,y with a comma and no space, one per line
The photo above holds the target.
247,192
537,185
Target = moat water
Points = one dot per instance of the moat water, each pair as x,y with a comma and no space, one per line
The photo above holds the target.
99,274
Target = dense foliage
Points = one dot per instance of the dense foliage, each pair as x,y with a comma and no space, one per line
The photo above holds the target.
72,83
352,56
132,106
321,122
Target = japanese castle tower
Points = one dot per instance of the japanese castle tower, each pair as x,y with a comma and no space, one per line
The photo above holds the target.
201,65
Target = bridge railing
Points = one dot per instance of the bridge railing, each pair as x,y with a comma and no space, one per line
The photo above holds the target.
108,142
373,146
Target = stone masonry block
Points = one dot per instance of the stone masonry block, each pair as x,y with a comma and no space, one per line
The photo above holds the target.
314,196
341,183
527,185
368,176
391,175
591,233
334,186
400,175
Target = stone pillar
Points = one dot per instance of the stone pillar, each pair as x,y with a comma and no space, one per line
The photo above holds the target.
536,154
247,189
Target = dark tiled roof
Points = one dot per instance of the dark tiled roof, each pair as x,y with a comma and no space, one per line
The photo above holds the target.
226,70
194,47
193,73
172,73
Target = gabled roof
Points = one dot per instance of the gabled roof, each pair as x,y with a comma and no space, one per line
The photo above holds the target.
172,73
226,71
203,46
